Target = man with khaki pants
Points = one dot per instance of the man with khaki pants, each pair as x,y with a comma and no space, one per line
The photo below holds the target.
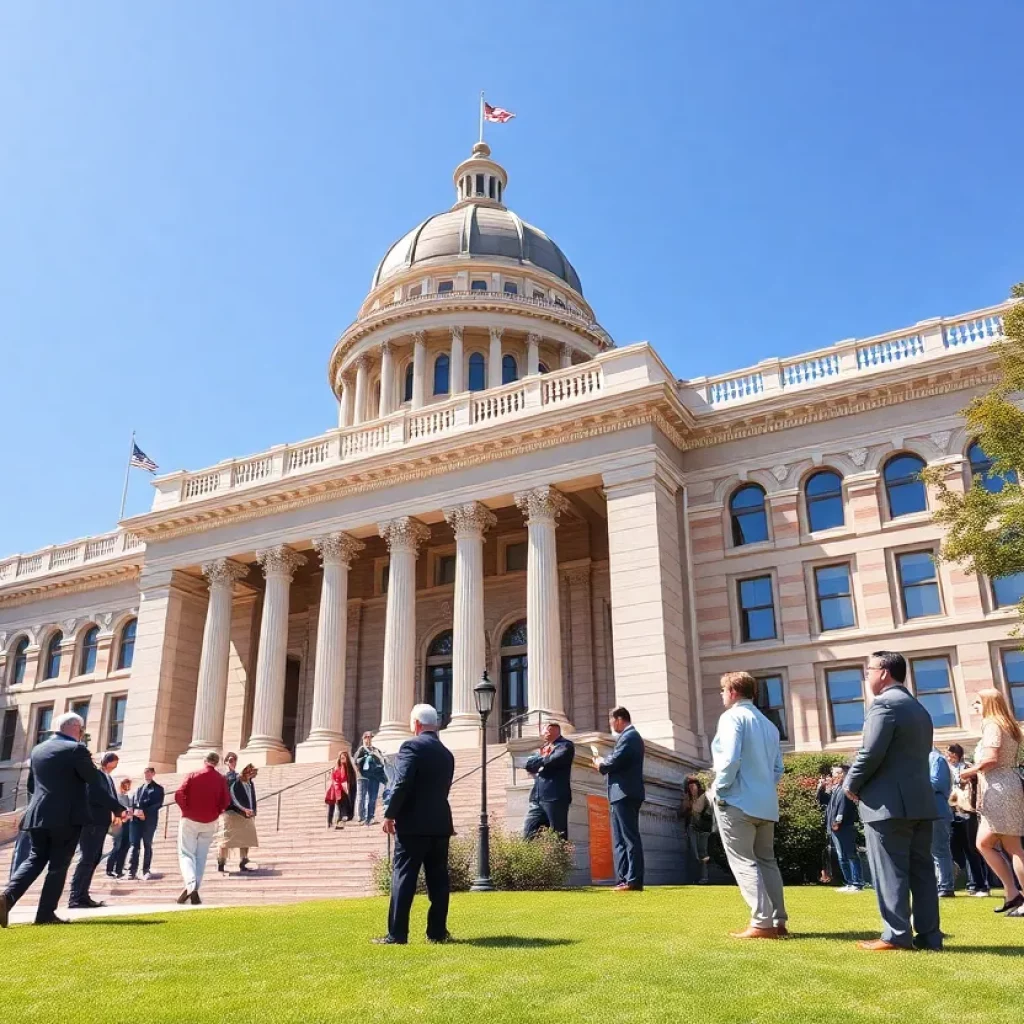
747,761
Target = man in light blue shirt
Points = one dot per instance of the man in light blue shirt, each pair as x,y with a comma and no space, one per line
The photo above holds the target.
747,761
942,826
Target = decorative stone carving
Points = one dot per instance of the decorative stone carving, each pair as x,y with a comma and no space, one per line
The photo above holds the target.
780,472
496,333
337,549
577,575
940,438
224,572
533,338
471,518
542,504
419,338
105,619
404,534
446,609
858,456
280,561
69,627
457,334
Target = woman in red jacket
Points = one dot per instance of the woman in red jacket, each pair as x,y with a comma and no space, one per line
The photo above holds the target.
340,791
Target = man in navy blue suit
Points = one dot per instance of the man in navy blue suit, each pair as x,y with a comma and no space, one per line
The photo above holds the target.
624,768
419,817
103,805
60,771
146,803
552,793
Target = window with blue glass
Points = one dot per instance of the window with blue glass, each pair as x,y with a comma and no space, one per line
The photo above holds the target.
770,702
919,584
748,514
20,662
511,288
126,648
1008,591
442,367
823,493
115,726
845,688
407,390
478,286
477,372
51,666
445,286
90,645
509,369
904,487
757,609
932,683
44,719
835,597
982,471
1013,672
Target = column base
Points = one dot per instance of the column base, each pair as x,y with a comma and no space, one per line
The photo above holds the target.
390,738
461,733
321,748
193,760
265,754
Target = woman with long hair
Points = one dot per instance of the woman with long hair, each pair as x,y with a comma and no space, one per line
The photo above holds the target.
1000,796
340,794
698,819
238,823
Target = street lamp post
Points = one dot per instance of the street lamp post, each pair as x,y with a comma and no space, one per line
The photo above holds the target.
483,697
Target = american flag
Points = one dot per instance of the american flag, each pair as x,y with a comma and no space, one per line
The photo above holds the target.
497,114
140,460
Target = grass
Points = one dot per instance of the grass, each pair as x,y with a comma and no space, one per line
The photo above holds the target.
570,956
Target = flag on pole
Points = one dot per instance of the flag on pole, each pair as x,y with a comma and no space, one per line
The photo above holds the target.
499,115
140,460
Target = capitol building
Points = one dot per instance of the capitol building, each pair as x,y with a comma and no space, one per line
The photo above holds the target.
509,490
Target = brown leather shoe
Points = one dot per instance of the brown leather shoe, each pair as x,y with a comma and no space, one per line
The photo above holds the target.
756,933
878,945
782,930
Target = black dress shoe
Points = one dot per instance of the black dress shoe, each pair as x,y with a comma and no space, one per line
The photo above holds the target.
194,898
388,940
183,896
1013,904
52,919
447,937
87,904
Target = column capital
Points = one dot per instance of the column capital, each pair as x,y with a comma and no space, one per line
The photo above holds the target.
419,337
533,338
457,333
362,362
280,561
496,333
224,572
387,347
541,504
404,533
565,350
470,519
337,548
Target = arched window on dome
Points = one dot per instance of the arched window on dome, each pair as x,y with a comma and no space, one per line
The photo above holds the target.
543,368
376,396
407,392
477,372
441,368
509,369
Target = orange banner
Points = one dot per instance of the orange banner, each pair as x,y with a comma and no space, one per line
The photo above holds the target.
602,865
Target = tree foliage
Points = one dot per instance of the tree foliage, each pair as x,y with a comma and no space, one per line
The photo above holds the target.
985,530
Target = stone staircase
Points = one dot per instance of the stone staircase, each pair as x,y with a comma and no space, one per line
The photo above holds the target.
298,857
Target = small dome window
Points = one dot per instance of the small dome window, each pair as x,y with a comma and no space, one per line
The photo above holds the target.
477,372
478,286
408,384
511,288
445,286
509,369
441,368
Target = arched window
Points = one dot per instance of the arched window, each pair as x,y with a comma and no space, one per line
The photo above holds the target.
441,366
542,368
20,661
749,518
904,486
824,495
983,473
514,679
408,384
509,369
376,398
52,664
126,648
90,644
439,675
477,372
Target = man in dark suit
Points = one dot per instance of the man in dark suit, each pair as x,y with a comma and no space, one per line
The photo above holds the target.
419,817
146,803
60,771
891,784
552,793
103,806
624,768
841,821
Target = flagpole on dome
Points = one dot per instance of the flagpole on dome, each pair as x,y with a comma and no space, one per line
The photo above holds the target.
481,115
127,472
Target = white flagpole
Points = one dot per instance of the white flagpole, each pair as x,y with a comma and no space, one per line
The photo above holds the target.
481,115
127,471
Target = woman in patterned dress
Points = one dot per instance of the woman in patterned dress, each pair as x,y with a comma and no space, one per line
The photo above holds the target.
1000,796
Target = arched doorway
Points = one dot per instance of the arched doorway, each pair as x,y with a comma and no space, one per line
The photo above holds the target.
439,675
514,679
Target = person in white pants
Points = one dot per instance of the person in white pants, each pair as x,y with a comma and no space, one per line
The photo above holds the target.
202,798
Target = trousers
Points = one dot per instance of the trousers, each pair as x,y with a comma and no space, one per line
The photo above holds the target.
963,846
750,848
194,841
410,854
50,849
90,853
942,854
845,843
140,834
629,847
552,814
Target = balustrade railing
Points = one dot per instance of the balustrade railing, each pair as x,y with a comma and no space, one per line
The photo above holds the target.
808,370
893,350
982,329
65,556
732,389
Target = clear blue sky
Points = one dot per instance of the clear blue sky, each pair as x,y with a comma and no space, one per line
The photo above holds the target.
193,196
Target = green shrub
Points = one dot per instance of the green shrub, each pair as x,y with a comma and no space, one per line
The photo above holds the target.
543,862
461,868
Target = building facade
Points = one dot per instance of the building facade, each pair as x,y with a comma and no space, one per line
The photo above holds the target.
507,490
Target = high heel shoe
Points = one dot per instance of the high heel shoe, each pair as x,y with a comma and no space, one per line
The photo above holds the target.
1017,901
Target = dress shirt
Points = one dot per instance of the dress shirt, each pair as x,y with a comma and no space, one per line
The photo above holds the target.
747,761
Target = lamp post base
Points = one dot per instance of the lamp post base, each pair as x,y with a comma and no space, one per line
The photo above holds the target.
482,885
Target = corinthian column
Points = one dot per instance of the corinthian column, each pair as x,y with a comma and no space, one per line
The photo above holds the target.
532,353
403,536
541,506
265,744
456,367
494,359
469,522
326,739
211,691
345,404
419,370
362,385
387,372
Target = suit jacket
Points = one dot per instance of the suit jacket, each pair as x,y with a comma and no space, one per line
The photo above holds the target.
840,810
103,801
149,798
553,772
890,774
419,796
60,771
942,784
625,768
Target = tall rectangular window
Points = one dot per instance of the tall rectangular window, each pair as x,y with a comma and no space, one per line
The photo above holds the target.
770,702
757,609
44,719
80,708
835,600
444,570
845,688
115,727
1008,591
933,686
9,730
516,556
919,584
1013,670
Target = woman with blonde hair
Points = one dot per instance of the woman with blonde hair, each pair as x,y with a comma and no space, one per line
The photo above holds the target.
1000,796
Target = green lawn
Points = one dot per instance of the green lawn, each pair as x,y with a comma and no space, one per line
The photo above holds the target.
589,955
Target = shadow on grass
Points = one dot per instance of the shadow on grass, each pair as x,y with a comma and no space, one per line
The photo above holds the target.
954,947
513,942
118,921
841,936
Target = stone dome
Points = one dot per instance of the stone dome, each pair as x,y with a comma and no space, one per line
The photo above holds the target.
478,225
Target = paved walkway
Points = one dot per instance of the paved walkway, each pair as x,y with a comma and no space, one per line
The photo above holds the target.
26,915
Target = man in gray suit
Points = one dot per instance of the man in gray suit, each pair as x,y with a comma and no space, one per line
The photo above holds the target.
890,782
